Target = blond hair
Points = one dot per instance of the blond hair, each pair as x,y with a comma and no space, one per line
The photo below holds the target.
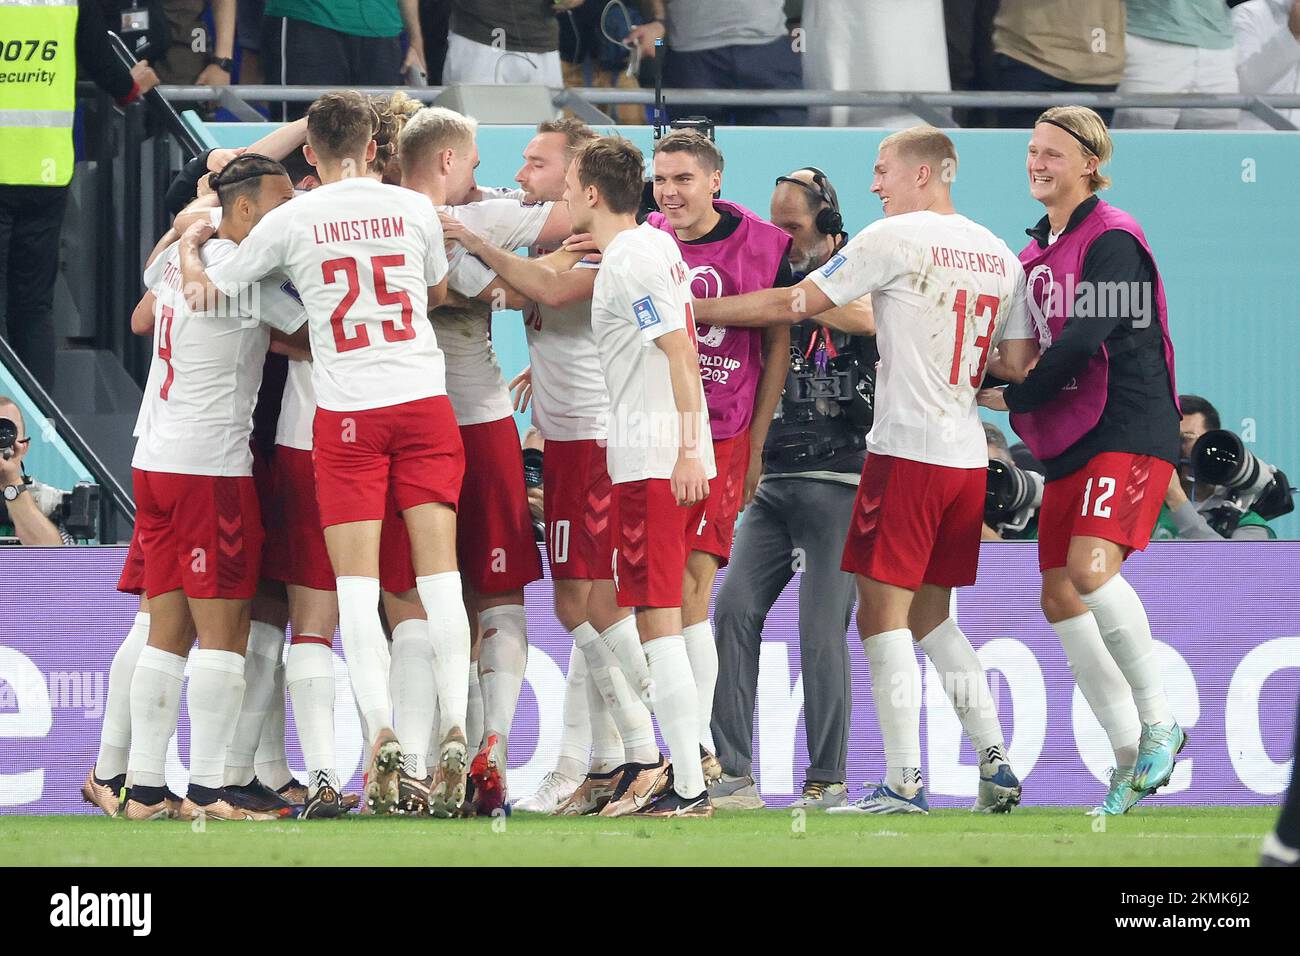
925,145
433,129
1088,128
393,111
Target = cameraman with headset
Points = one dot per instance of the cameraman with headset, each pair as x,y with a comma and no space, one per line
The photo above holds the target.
1200,510
799,518
27,503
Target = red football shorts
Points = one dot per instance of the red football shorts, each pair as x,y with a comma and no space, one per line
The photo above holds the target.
576,505
132,579
198,532
494,531
916,524
649,544
712,524
1115,497
411,450
298,555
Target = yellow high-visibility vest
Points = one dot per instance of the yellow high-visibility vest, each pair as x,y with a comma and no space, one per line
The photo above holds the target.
38,86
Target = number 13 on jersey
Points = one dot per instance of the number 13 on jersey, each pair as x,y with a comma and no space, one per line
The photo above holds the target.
984,305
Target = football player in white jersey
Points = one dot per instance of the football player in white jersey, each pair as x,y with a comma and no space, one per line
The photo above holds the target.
497,553
658,451
367,261
198,521
605,720
948,297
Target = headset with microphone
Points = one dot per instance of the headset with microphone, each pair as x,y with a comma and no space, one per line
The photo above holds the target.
829,222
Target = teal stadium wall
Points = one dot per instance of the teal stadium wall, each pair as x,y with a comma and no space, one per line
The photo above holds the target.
1221,211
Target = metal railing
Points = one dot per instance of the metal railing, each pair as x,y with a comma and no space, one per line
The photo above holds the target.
931,107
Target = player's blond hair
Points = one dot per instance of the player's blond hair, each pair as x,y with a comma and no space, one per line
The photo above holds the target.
1088,128
433,129
925,145
393,111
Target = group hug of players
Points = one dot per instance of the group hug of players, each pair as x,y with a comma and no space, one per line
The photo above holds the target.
393,505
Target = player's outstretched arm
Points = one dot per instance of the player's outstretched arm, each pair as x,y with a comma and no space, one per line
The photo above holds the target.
1013,359
199,289
689,482
500,294
282,140
549,280
852,318
766,307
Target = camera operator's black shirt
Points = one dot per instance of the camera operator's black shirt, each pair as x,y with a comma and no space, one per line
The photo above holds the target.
1140,416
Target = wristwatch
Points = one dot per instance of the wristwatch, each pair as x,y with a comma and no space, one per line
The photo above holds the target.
11,492
225,62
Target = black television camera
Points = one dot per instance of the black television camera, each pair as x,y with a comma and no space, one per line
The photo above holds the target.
843,385
76,510
1221,458
1012,497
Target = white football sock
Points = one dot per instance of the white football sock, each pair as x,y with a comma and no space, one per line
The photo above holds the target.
624,642
366,651
310,676
411,680
704,665
474,708
965,684
155,706
675,706
444,606
629,713
265,644
502,659
576,734
115,734
606,744
271,762
215,693
896,690
1102,684
1122,620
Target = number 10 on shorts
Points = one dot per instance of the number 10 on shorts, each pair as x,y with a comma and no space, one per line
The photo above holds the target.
1105,488
559,543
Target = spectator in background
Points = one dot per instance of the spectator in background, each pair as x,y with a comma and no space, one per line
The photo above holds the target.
357,43
435,20
248,36
968,25
1178,46
1268,52
1057,46
1188,503
592,52
737,45
505,41
874,45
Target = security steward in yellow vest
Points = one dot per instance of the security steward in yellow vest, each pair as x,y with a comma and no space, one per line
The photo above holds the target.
42,43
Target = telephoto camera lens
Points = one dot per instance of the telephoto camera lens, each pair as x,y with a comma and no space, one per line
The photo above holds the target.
1220,457
1010,491
8,434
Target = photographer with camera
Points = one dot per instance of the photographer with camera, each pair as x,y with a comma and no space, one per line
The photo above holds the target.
1014,493
1197,506
798,520
28,504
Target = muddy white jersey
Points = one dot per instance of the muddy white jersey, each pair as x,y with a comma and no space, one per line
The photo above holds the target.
945,291
196,415
362,255
475,383
641,294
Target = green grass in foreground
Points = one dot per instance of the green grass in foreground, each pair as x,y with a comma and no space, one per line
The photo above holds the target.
1220,836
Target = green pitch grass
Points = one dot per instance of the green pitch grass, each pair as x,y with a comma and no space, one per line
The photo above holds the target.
1154,836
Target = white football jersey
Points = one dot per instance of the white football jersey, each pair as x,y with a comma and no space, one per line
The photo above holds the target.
641,294
945,291
475,384
362,255
569,395
196,415
293,429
